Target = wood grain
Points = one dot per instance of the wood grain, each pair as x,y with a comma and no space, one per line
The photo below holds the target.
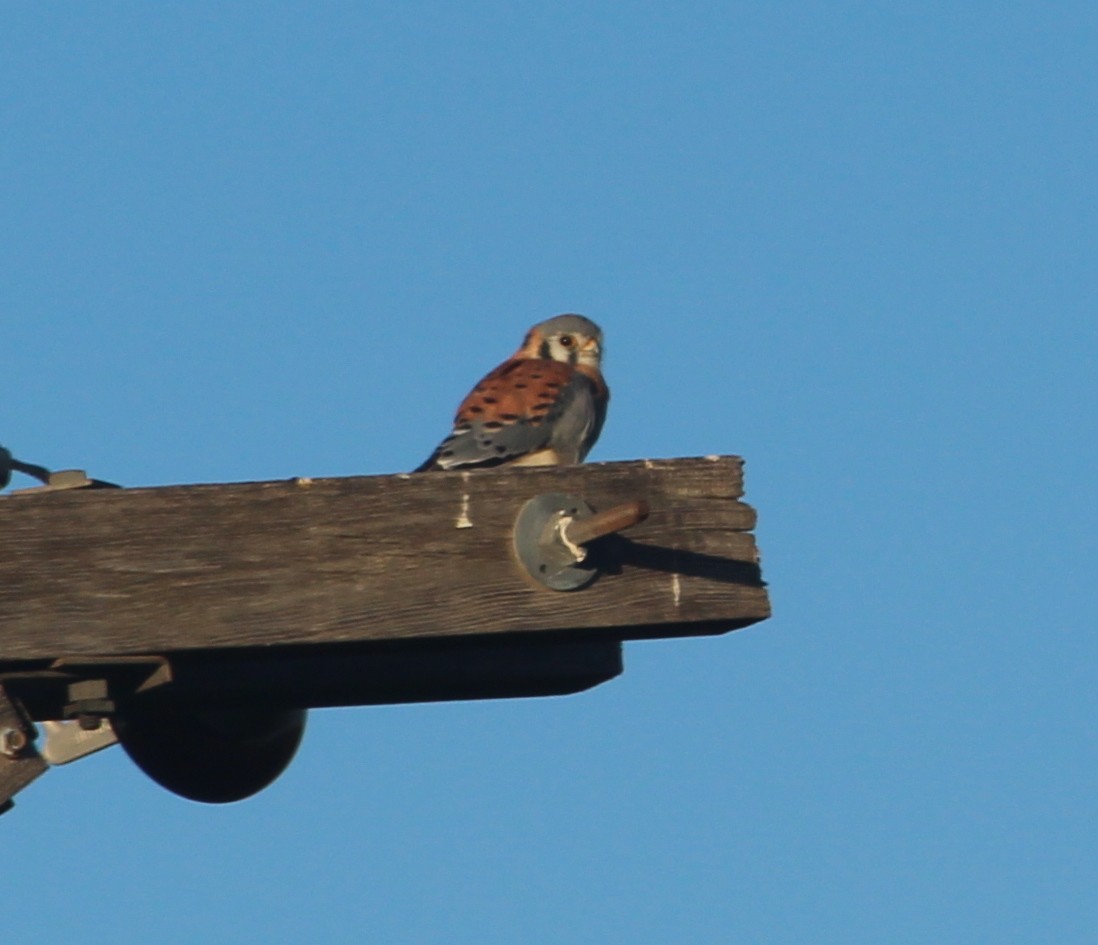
362,559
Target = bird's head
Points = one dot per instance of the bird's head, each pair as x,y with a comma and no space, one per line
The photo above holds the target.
572,339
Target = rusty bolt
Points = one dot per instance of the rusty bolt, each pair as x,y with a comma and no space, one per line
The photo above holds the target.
620,517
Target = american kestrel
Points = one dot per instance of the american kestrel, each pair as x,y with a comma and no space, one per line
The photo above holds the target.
543,406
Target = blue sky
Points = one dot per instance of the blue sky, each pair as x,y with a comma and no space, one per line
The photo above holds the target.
853,243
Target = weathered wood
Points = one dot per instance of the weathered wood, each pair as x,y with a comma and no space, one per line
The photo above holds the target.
366,559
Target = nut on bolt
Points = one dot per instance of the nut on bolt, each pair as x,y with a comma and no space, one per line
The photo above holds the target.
13,742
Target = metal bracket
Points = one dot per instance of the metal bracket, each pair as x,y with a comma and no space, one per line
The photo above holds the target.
551,533
72,698
68,741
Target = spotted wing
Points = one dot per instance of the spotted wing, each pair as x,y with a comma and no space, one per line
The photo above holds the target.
511,413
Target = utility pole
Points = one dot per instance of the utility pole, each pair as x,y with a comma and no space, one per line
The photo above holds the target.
196,624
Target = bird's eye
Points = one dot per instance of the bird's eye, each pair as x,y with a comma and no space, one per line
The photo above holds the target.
567,341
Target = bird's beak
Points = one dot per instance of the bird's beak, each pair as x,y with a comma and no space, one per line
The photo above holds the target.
592,346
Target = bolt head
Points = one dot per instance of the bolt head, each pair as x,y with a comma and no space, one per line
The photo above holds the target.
12,741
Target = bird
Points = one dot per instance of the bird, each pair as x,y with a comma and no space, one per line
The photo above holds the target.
543,406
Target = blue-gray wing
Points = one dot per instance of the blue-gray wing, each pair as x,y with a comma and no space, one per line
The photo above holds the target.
522,409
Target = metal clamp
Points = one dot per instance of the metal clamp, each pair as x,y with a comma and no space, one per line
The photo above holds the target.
552,531
51,481
61,480
69,740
